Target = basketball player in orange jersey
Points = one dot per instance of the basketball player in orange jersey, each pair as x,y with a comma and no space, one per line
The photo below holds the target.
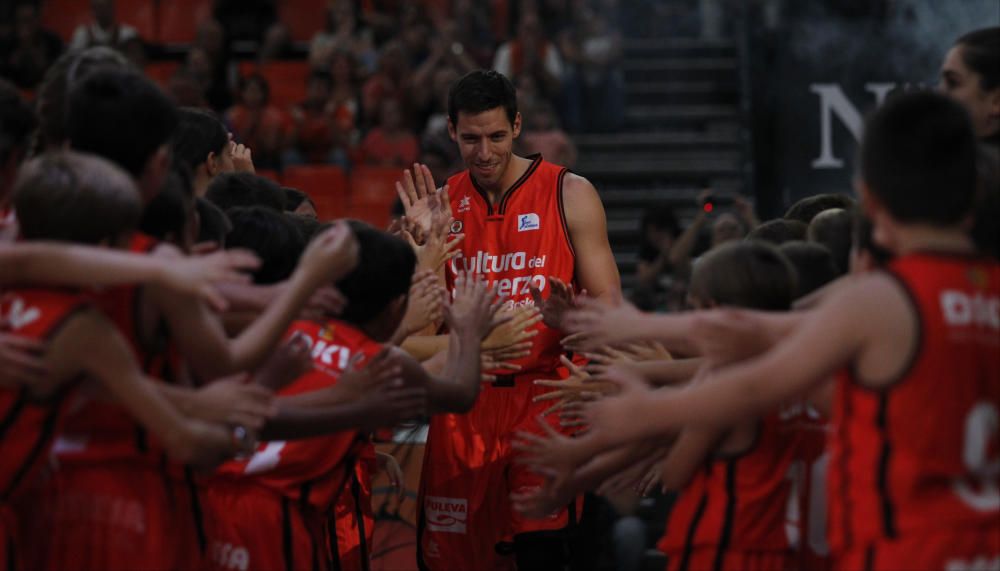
913,480
524,221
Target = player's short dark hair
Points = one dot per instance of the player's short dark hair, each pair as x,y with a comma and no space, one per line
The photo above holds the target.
804,210
863,240
832,228
272,236
752,274
213,224
230,190
981,54
66,196
307,225
779,231
122,116
167,216
57,83
479,91
814,266
918,157
199,133
384,271
17,122
295,197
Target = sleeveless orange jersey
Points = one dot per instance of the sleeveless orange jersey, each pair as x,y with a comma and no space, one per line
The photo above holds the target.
28,424
520,243
919,457
733,513
316,474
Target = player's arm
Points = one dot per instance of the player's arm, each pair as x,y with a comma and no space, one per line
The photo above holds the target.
90,344
424,347
596,270
838,333
670,372
84,266
200,336
686,455
228,401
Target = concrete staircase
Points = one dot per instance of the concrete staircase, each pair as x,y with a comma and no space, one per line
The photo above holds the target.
683,132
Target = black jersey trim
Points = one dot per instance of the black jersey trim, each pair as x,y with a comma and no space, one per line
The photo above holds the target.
14,411
888,509
287,549
360,517
845,473
692,529
41,441
915,351
730,514
562,210
754,443
536,160
196,513
870,558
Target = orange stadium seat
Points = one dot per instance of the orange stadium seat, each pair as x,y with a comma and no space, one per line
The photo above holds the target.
140,14
302,17
285,79
63,16
162,71
178,19
269,174
326,185
373,192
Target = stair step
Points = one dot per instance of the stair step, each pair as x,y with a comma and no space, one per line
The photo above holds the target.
677,43
679,87
681,64
656,140
640,156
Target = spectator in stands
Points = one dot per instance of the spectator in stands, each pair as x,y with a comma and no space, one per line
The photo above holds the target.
726,227
343,32
345,99
257,124
32,49
277,43
391,144
435,134
541,134
389,82
380,16
446,52
473,32
134,50
246,20
313,136
104,30
530,53
595,83
414,32
209,60
657,235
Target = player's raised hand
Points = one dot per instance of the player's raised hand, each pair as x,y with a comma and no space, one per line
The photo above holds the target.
438,244
488,362
419,196
475,307
562,298
425,304
20,360
726,336
512,340
242,157
615,414
548,452
579,386
196,275
382,369
388,464
393,403
329,256
599,324
288,362
324,303
232,401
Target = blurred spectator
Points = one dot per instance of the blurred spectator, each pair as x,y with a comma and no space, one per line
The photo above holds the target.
380,16
186,91
387,83
437,161
209,61
245,20
472,30
446,52
26,55
313,137
595,83
104,30
277,43
435,135
657,235
257,124
531,54
134,50
726,227
345,99
390,144
343,32
541,134
413,34
832,229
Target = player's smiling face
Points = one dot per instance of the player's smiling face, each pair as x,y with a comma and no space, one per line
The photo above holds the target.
486,142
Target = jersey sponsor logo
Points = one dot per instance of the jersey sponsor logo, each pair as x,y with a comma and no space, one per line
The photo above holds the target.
20,315
487,263
326,353
448,515
529,221
961,309
465,204
229,556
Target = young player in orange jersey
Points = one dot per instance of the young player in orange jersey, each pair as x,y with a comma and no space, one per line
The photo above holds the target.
82,199
524,221
913,479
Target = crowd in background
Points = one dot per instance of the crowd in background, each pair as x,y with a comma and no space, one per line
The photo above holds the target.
378,72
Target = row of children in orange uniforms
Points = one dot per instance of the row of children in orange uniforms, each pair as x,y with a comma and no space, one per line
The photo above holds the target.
901,357
118,495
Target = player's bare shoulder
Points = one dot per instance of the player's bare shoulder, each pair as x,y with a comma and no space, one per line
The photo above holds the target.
581,203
